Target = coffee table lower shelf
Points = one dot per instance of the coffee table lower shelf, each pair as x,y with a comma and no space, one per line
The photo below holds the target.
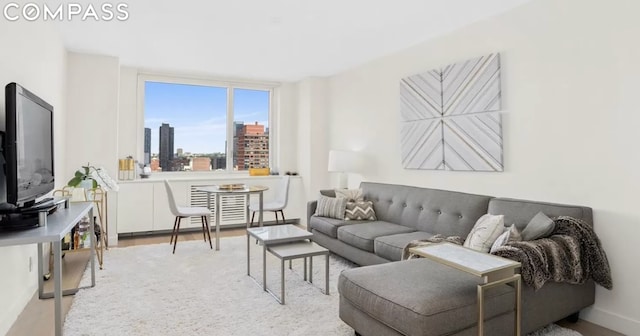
299,250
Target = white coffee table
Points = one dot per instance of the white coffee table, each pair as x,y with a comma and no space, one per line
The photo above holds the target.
494,270
272,235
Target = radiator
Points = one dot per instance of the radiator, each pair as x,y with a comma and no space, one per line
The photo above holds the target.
233,208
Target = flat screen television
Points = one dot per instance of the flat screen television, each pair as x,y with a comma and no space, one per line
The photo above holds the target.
27,147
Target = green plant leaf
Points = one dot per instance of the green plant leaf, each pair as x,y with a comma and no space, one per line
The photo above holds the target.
95,183
74,181
79,174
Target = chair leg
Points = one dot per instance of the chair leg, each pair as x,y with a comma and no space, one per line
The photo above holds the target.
204,235
205,223
175,242
284,221
253,214
173,232
276,213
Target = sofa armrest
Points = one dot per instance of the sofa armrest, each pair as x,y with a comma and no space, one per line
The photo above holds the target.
312,205
311,209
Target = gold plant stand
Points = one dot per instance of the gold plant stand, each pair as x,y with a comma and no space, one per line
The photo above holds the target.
99,197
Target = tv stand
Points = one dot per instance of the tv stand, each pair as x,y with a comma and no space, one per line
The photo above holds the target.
54,229
31,216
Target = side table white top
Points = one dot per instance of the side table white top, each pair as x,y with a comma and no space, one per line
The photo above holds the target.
279,234
465,259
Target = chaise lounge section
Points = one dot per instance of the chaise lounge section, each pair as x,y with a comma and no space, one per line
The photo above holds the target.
423,297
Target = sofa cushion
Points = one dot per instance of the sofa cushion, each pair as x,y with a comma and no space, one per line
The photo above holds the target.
448,213
421,296
520,212
363,235
328,226
391,247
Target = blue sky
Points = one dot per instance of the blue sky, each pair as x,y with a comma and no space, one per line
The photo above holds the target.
199,113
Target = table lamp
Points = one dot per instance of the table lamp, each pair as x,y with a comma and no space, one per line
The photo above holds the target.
344,162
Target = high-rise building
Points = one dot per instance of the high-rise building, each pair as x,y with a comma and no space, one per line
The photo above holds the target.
179,151
218,161
253,147
238,127
147,145
165,152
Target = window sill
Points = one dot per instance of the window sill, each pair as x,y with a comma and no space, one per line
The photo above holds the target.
197,176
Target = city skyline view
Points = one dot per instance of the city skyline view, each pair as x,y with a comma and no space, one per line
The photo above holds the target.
198,114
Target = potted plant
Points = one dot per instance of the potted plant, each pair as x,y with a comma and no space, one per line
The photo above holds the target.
90,177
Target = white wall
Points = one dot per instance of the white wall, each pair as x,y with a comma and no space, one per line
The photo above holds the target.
93,83
287,121
570,84
92,119
34,58
312,142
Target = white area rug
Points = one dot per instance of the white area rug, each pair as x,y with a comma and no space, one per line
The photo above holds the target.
145,290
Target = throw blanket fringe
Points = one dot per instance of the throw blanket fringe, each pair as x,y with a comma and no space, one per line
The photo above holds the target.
406,255
572,254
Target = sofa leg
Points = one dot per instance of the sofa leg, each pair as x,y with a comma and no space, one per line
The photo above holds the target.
356,333
573,318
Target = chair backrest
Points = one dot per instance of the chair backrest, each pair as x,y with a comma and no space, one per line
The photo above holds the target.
282,193
172,200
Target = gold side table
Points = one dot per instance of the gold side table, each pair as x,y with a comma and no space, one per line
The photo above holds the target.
494,270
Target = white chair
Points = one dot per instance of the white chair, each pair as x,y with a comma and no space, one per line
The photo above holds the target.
277,204
186,212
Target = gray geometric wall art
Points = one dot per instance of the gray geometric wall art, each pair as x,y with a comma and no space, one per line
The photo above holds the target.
447,117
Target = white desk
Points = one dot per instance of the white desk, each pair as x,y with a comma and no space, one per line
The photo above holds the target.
57,226
218,191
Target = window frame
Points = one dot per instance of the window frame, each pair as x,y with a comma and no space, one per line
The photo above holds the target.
230,85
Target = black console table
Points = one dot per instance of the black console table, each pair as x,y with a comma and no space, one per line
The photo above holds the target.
51,230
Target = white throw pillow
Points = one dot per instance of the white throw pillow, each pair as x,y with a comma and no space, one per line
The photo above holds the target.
485,232
352,195
510,234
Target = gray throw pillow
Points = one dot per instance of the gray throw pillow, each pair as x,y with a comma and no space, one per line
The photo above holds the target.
539,226
331,207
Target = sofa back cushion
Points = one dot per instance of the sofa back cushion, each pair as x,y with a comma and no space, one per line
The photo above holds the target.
435,211
520,212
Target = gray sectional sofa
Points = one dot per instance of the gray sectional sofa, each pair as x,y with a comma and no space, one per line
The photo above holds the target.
423,297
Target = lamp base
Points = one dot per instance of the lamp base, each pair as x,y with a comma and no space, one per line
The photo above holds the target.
343,180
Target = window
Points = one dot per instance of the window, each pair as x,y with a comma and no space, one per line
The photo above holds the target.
200,127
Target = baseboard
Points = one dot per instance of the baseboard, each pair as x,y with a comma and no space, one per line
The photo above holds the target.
294,221
7,321
610,320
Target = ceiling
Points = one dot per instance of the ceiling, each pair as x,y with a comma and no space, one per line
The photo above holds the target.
280,40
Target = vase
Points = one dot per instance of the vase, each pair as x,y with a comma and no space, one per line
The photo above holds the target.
87,185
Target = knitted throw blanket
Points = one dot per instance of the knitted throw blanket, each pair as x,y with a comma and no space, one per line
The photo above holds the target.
572,254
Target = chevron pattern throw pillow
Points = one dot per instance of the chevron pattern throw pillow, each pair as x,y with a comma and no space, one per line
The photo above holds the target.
359,211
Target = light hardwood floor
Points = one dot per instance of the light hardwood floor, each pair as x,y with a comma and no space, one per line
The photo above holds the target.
37,317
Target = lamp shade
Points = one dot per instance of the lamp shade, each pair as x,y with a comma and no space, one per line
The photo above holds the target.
345,161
